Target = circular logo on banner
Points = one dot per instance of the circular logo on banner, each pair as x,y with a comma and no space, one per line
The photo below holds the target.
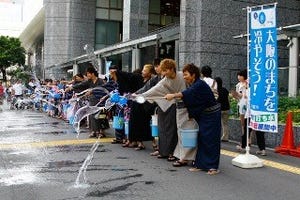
255,15
262,18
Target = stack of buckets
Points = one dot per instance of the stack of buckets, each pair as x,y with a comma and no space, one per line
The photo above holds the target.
154,125
189,133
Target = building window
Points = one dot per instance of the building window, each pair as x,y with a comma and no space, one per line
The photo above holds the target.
163,12
103,3
109,10
109,17
116,4
107,33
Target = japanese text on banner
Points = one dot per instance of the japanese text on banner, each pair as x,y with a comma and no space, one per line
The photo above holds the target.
263,71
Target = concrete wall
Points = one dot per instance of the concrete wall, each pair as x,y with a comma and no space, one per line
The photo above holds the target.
135,25
207,29
69,25
135,19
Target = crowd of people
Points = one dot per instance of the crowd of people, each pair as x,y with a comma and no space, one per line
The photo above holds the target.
188,94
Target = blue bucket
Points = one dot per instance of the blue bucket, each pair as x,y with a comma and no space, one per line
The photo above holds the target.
118,122
126,125
154,131
189,137
72,120
45,107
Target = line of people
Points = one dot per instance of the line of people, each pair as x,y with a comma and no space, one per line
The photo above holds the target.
187,94
193,98
202,98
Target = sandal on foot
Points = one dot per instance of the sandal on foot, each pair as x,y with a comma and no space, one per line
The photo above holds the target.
195,169
132,145
101,135
116,141
126,144
213,171
179,163
155,153
92,135
140,147
172,158
161,156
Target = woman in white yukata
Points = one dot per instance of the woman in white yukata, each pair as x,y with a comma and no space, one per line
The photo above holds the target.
173,82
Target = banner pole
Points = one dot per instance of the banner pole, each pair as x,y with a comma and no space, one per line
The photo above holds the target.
248,86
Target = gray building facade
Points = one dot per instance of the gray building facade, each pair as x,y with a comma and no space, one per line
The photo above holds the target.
205,37
69,25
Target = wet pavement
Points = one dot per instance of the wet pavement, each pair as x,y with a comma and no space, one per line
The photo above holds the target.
42,157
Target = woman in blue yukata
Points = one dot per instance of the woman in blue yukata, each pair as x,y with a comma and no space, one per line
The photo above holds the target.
203,107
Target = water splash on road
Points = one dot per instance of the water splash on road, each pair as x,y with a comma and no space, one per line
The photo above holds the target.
83,168
12,176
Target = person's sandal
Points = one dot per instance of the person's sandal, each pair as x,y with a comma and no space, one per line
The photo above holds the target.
155,153
101,135
140,147
132,145
179,164
172,158
213,171
195,169
97,134
92,135
161,157
115,141
126,144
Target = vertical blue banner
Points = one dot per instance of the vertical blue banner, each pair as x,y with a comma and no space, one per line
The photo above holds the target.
263,70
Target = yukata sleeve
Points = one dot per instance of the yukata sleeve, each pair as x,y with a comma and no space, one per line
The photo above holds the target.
195,97
147,86
110,86
81,86
159,90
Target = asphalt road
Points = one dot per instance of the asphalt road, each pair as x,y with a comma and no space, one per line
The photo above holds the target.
41,158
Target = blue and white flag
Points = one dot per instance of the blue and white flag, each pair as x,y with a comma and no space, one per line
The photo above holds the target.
263,69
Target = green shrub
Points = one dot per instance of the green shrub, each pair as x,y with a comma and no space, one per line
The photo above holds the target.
285,104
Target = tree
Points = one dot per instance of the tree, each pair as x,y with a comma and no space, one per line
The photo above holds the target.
11,53
21,73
